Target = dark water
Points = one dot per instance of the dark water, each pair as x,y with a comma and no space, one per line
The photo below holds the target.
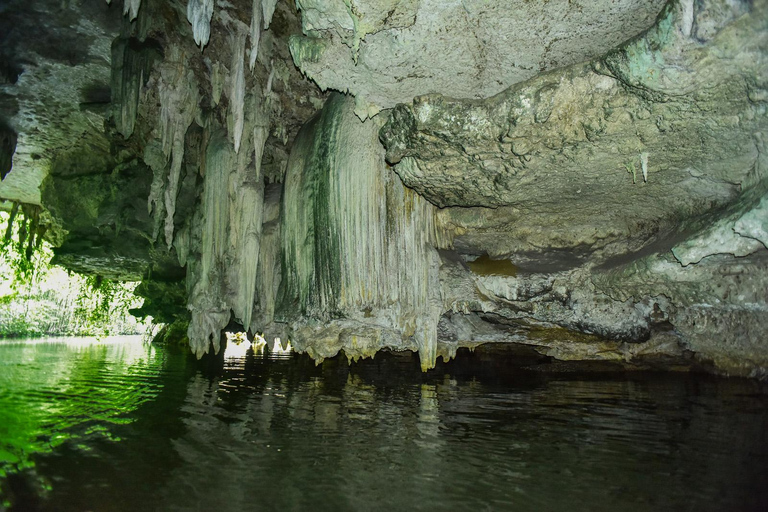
119,425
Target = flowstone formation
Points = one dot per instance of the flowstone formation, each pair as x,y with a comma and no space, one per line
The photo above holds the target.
585,180
359,259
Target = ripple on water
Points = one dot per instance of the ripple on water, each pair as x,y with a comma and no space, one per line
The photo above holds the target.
111,427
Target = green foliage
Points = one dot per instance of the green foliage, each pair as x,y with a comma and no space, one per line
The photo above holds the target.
38,299
100,302
21,247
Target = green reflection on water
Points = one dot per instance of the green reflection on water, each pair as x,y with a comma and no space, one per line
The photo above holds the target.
53,391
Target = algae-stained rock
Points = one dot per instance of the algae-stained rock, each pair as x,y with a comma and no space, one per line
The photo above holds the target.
360,269
101,208
387,52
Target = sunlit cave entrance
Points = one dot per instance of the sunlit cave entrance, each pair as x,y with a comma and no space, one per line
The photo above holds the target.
383,255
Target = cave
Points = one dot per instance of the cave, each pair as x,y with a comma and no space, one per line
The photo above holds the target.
528,190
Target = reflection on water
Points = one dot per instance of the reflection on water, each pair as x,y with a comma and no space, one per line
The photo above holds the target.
53,390
121,426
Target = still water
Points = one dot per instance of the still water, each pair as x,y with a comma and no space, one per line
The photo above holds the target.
121,425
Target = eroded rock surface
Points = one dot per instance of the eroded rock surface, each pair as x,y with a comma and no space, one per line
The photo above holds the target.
388,51
54,85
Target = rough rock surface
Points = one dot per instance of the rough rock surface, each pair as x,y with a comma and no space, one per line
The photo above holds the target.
388,51
606,156
628,192
54,84
357,246
587,197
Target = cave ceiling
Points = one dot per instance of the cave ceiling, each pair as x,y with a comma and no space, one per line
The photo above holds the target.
409,174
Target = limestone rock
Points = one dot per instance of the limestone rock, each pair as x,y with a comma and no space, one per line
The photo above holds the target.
356,245
619,151
575,179
388,52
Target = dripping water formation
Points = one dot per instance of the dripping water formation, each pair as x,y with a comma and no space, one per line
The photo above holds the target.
410,254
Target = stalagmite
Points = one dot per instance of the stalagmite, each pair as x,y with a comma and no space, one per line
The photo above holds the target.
199,13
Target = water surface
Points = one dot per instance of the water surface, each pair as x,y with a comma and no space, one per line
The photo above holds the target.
120,425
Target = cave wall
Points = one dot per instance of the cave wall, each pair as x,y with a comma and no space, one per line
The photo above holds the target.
601,197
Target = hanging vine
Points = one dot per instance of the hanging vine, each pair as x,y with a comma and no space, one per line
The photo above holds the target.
29,306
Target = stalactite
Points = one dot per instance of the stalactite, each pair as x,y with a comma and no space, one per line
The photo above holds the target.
179,98
209,310
181,244
268,275
256,19
199,14
130,8
217,83
22,233
356,243
11,219
247,202
33,213
132,62
237,90
644,165
268,10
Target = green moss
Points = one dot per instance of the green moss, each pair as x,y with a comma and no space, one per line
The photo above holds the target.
173,334
306,49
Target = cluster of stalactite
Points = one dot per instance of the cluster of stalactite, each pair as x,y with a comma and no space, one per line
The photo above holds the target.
341,255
